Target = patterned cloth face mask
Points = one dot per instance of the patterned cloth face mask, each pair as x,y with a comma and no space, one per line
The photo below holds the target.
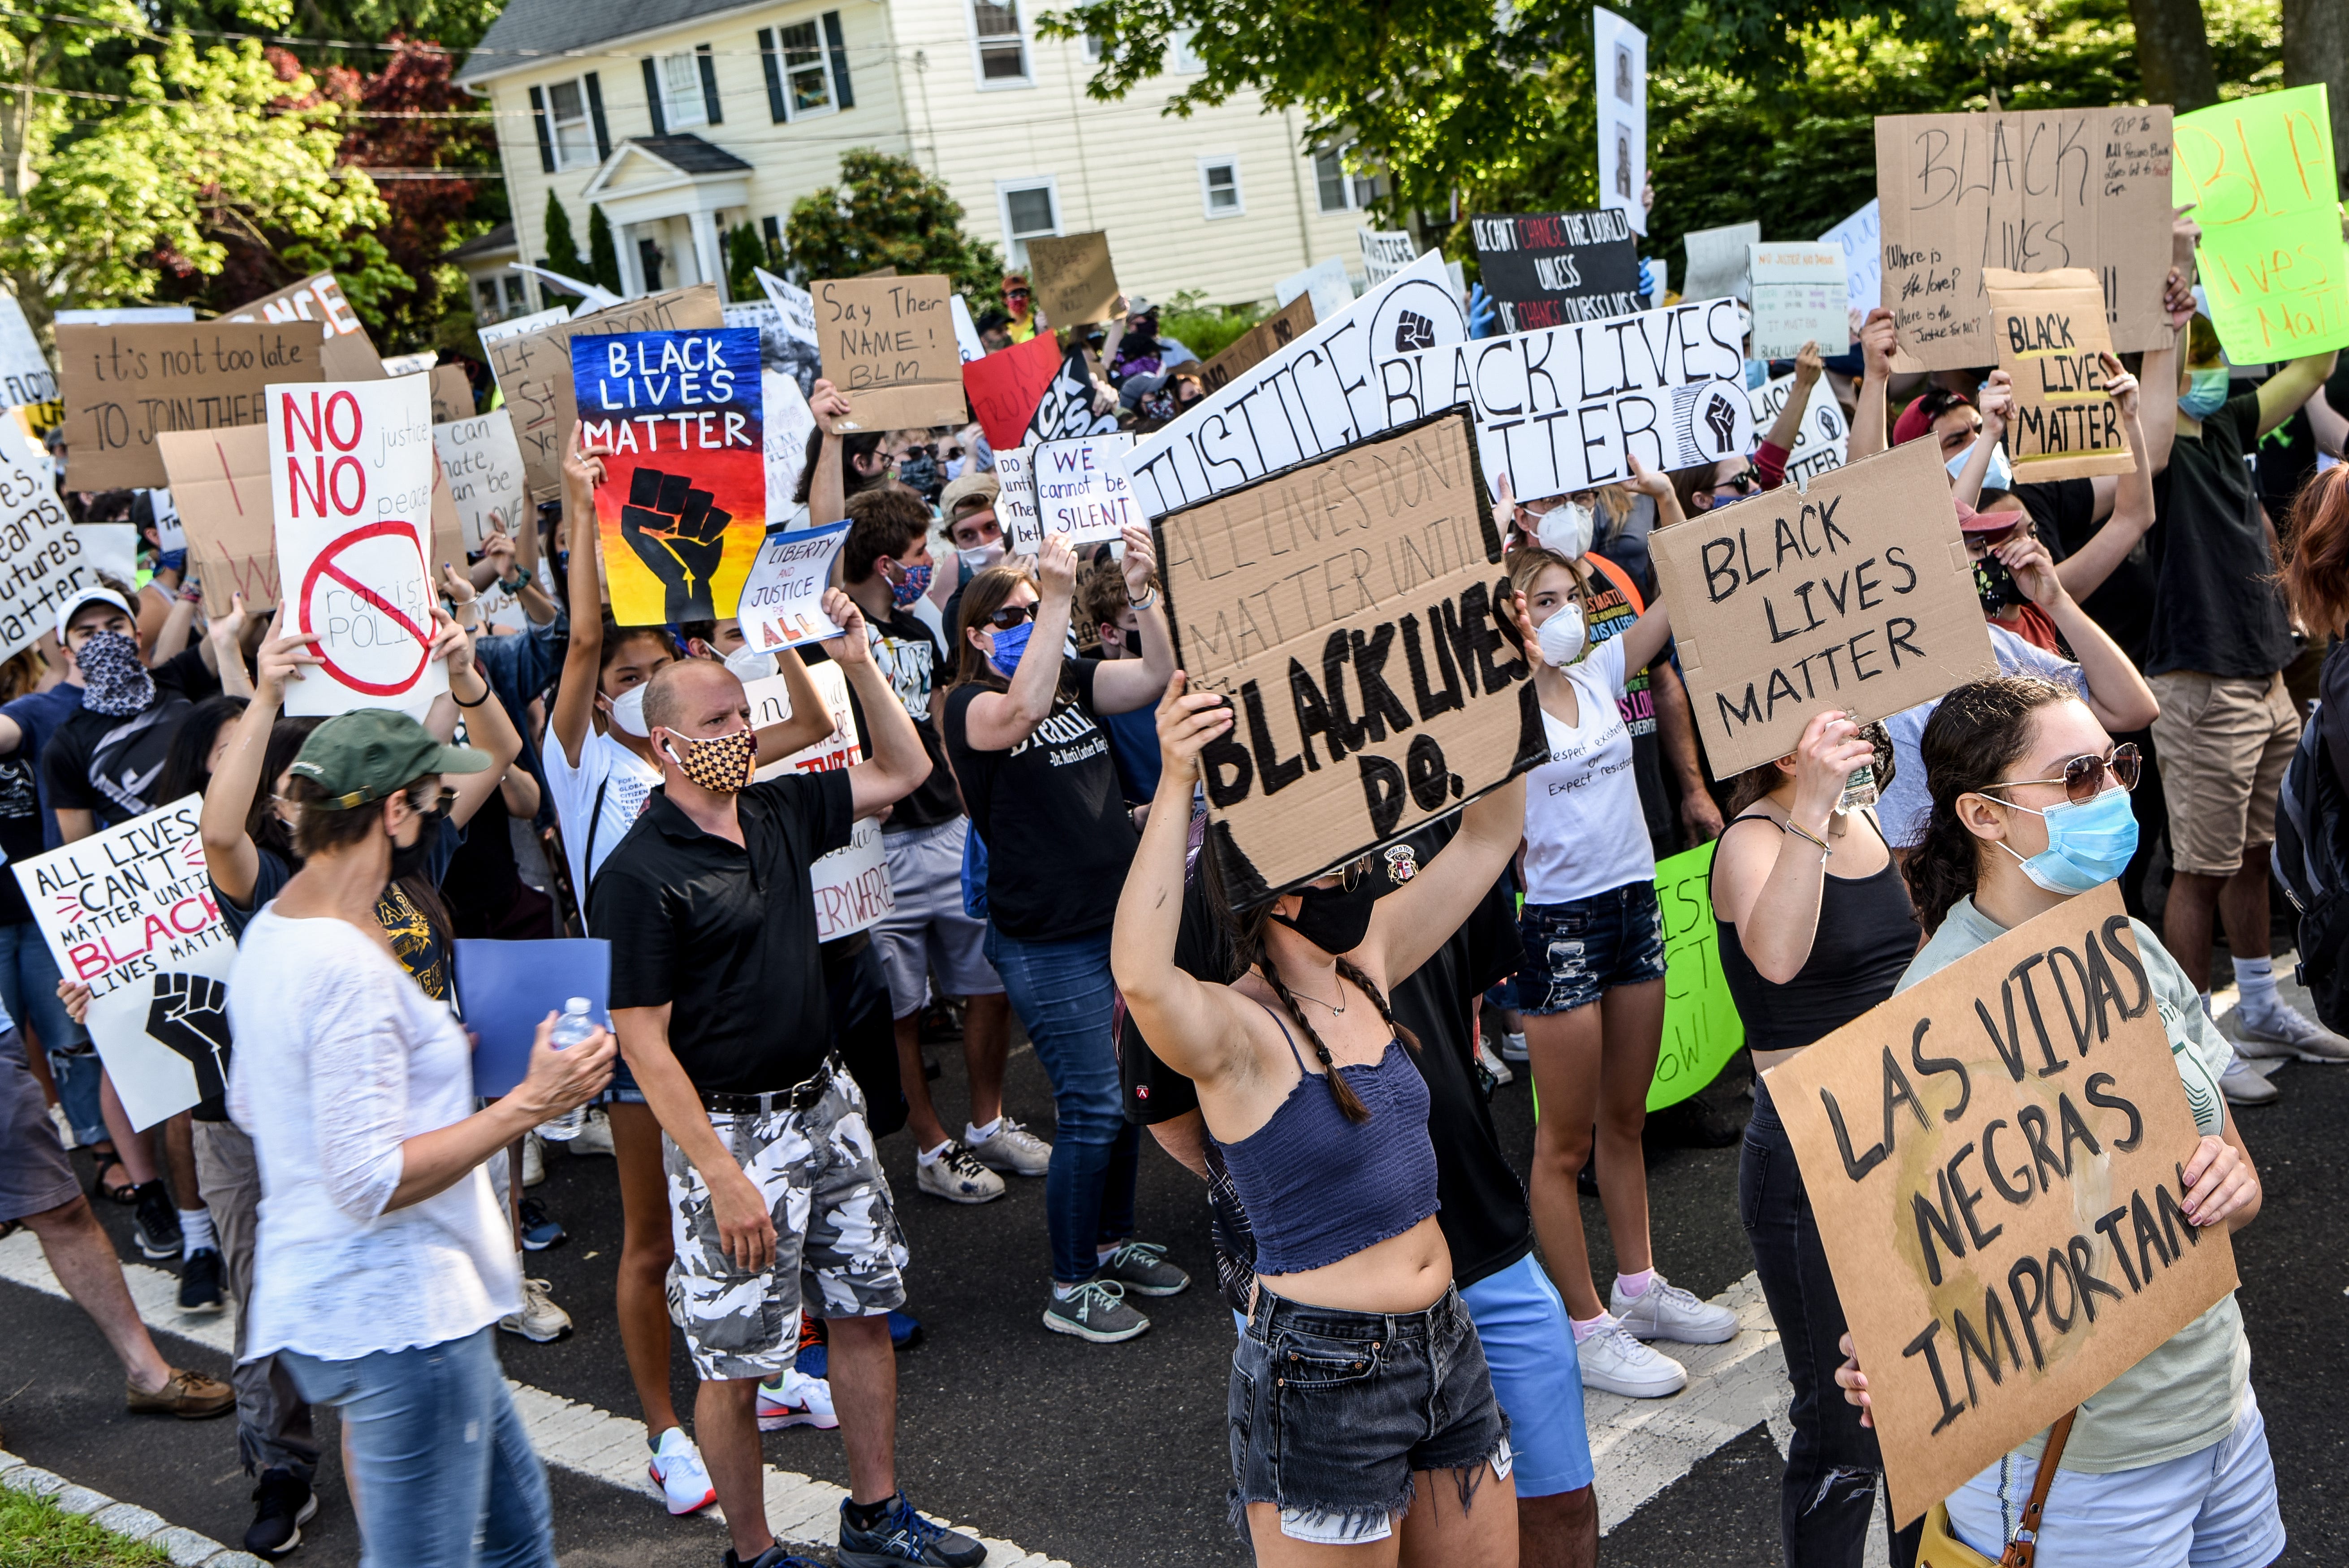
721,764
114,682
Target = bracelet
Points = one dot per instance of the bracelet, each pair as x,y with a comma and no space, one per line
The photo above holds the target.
515,584
1150,603
1790,826
487,691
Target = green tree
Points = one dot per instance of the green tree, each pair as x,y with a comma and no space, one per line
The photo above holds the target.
603,251
745,252
886,211
561,247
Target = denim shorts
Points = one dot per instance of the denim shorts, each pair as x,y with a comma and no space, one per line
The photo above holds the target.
1332,1412
1579,952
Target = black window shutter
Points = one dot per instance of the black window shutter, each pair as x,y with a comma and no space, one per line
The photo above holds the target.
545,142
774,75
708,83
653,96
839,59
595,113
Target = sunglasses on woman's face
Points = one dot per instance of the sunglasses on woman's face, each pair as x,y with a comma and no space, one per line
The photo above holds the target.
1010,616
1743,481
2084,777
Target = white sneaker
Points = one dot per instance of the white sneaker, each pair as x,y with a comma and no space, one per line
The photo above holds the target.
1513,1049
533,1160
795,1400
1493,1065
958,1178
539,1319
594,1134
1615,1362
1667,1312
676,1466
1013,1150
64,1125
2243,1083
2285,1031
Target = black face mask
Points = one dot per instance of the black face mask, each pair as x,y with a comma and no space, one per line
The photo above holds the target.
408,859
1996,585
1334,919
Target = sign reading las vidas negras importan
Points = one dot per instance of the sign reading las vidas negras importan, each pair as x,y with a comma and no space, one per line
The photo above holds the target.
1354,611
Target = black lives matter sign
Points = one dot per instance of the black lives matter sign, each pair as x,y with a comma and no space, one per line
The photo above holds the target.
1546,269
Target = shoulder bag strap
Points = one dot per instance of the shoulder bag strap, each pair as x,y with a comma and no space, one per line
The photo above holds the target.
2023,1550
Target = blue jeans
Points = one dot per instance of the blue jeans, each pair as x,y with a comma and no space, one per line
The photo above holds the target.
1063,994
446,1475
29,990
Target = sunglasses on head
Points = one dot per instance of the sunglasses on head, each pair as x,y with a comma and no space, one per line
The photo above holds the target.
1010,616
2083,776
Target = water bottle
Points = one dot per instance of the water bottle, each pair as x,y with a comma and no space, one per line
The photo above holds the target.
1859,789
574,1028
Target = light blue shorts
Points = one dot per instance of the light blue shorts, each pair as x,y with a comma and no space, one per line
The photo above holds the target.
1529,1349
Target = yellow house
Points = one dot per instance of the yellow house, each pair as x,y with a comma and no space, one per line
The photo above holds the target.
682,119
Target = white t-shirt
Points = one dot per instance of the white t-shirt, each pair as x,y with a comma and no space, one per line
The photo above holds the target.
625,782
1585,833
340,1058
1905,805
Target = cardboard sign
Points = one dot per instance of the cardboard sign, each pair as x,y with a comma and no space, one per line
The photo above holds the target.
1322,393
851,885
1993,1159
49,559
782,599
2260,176
220,483
684,499
126,385
1619,61
1006,387
1823,439
1859,237
1545,269
352,472
1800,296
889,345
482,463
1349,610
1080,489
2026,191
345,353
1702,1028
1385,252
1074,280
1858,593
2050,328
789,423
1258,343
25,373
127,913
1324,282
453,395
1719,261
534,371
1015,502
516,326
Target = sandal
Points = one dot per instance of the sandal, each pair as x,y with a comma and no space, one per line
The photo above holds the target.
107,1160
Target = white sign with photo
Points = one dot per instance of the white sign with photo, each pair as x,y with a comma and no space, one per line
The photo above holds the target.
1619,55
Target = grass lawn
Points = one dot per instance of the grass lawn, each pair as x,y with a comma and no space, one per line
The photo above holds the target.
37,1533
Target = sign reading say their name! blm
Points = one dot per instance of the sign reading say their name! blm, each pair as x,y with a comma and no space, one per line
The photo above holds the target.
351,475
1354,611
889,344
1857,592
1996,1160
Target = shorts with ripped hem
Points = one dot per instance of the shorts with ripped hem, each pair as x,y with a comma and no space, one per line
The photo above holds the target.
1578,951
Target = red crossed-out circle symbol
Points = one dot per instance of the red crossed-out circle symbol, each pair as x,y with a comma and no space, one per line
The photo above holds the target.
323,566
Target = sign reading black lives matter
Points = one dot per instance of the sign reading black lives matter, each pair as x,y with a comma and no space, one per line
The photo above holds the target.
1856,594
1354,611
1545,269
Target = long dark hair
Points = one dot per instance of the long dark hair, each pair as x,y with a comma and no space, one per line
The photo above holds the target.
187,765
981,597
265,827
1973,737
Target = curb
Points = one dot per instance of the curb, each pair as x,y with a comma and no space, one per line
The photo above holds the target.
185,1547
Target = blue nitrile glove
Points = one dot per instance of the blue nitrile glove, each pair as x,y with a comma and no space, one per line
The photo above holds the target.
1651,280
1484,316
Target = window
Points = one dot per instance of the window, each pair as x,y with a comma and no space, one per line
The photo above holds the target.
1180,60
517,295
681,102
1219,186
575,136
487,288
1002,49
1031,207
807,85
1338,191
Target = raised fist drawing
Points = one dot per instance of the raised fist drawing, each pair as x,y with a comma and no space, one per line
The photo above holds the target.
1723,421
190,1015
679,537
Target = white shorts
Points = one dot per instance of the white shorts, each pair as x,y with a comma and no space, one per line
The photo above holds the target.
929,932
2215,1508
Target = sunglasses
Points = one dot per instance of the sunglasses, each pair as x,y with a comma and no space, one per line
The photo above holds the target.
2084,777
442,805
1010,616
1744,484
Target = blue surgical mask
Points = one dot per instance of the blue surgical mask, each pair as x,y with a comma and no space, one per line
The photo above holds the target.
2205,394
2089,842
1010,642
2002,472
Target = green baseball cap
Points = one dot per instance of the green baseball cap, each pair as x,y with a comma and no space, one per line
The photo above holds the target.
372,754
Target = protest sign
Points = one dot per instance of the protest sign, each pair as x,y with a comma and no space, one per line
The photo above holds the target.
1260,342
126,385
1619,60
1323,392
1015,501
2050,328
1325,283
165,513
1823,439
1385,252
49,559
1081,491
1858,593
124,316
1860,238
1354,611
851,885
1800,296
1005,387
506,989
1065,410
482,464
453,395
1702,1029
110,548
490,332
683,502
345,353
1074,280
25,373
967,343
534,371
1985,1302
789,423
351,478
220,483
795,304
1545,269
2260,174
126,912
1719,261
2027,192
888,345
782,598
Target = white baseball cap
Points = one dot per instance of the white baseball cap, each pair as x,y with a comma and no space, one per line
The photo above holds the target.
91,595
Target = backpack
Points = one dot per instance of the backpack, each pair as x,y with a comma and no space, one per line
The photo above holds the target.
2311,858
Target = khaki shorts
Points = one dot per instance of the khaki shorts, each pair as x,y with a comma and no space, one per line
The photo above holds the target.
2222,745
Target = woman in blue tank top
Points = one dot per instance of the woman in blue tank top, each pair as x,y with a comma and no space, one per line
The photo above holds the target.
1359,1400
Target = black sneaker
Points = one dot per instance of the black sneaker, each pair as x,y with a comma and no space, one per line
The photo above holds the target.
157,1224
538,1231
904,1537
772,1557
283,1503
199,1280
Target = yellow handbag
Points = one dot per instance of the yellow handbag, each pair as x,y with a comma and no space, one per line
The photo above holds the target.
1939,1547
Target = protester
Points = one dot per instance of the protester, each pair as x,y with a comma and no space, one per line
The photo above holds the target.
2316,584
1107,611
1018,306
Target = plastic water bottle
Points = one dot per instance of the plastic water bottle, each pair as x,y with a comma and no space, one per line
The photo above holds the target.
1859,790
574,1028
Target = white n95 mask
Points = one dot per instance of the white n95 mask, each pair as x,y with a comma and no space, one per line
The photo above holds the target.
1567,530
1563,636
628,712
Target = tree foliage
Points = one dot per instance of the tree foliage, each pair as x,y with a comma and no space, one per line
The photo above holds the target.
603,251
561,245
886,211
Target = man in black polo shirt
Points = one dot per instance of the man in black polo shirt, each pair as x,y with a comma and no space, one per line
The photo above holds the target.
775,1190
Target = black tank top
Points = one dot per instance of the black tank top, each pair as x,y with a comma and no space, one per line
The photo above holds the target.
1867,935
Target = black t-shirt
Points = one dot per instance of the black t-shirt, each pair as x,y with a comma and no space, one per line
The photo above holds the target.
908,658
106,765
691,922
20,831
2065,513
1051,814
2219,610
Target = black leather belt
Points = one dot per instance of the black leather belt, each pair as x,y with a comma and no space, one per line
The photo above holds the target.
798,1097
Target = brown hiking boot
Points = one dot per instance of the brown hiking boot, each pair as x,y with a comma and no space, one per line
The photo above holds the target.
190,1396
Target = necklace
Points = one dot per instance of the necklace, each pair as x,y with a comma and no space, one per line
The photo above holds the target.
1336,1008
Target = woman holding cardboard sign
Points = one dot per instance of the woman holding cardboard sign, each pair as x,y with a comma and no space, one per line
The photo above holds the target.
2169,1462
